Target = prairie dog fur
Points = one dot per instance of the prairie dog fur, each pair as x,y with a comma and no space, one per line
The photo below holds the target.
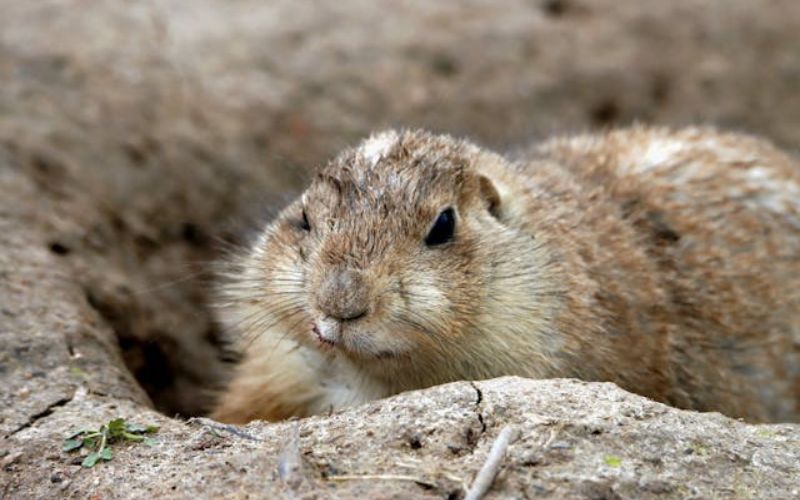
665,261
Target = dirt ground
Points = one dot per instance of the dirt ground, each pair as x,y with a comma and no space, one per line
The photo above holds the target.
139,139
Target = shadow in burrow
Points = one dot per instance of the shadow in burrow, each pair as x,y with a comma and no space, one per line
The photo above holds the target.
151,280
163,322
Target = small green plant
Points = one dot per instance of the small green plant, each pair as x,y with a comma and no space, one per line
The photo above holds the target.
612,461
765,433
100,441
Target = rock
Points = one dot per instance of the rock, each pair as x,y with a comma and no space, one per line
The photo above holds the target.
136,137
575,438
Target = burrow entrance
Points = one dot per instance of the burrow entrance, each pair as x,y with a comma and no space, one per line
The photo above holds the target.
153,285
142,236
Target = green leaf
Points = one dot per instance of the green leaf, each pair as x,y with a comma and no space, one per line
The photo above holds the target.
106,454
76,433
141,429
90,460
116,427
150,442
90,442
72,444
612,461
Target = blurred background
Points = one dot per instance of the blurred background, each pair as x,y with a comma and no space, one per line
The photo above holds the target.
137,135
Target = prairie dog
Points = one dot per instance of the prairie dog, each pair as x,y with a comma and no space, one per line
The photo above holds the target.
665,261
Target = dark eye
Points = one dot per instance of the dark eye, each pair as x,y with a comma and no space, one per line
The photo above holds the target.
304,225
443,229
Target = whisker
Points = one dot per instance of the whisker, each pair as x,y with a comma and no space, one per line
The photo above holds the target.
167,284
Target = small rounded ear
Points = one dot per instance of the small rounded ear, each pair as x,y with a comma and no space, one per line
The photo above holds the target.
490,196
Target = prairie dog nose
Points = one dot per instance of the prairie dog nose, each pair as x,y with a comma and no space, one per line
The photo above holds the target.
343,294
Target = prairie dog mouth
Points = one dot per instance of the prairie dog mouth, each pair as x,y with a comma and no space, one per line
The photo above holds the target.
333,335
326,336
328,331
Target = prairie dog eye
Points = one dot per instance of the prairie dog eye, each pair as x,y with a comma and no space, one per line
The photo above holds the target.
304,225
443,229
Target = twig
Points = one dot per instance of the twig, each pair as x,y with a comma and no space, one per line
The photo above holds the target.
215,426
552,437
483,481
290,463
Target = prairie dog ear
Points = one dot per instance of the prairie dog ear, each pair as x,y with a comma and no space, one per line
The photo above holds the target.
490,196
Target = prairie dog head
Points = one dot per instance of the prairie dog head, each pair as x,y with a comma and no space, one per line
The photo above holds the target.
397,251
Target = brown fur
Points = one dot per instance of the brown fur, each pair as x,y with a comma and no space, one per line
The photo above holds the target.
667,262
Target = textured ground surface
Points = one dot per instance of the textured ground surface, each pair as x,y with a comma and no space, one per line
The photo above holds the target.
574,438
134,136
